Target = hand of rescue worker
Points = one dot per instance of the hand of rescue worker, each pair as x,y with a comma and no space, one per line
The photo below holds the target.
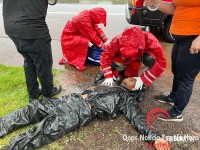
195,47
103,46
162,144
107,42
108,82
139,83
90,44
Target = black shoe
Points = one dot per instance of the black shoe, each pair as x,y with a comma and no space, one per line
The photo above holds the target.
164,99
56,89
172,117
31,98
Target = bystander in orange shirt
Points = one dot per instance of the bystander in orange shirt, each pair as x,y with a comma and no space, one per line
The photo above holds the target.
186,19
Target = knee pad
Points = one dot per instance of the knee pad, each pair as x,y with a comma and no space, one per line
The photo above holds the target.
148,60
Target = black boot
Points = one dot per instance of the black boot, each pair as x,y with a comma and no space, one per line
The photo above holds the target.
31,98
56,90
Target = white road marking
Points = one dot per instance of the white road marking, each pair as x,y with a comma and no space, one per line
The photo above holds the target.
74,13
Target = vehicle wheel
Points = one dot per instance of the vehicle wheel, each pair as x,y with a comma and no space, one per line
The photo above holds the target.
165,32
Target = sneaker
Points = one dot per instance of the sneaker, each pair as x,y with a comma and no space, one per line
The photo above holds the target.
172,117
57,89
164,99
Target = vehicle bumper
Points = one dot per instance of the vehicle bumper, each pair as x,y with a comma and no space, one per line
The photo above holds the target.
142,16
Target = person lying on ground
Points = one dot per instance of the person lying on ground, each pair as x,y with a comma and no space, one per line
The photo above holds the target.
58,117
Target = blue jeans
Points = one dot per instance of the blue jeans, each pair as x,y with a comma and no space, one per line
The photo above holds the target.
185,67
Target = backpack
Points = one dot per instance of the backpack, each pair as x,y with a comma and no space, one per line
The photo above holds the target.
93,55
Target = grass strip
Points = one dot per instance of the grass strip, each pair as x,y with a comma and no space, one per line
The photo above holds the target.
13,94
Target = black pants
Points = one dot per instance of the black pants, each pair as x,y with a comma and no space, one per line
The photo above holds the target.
37,64
185,67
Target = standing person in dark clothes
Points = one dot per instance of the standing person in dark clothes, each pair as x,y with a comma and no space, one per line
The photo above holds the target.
24,23
61,116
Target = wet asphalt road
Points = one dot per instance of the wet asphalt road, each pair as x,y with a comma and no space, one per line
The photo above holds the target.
75,81
57,17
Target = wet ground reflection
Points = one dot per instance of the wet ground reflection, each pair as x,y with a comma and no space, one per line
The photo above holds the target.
76,81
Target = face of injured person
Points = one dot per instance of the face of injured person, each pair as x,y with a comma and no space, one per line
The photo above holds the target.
129,83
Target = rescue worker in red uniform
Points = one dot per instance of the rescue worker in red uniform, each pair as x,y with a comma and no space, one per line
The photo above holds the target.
77,33
129,49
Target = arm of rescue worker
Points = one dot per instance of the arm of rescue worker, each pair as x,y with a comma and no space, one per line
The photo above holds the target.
156,51
88,31
107,57
101,34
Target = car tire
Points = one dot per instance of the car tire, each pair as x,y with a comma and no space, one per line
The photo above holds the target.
165,32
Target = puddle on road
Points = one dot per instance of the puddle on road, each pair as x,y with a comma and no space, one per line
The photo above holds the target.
74,81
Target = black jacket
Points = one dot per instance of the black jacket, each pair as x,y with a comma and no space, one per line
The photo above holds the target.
111,102
25,19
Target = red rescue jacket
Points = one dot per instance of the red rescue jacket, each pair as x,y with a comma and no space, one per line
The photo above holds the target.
128,48
78,32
